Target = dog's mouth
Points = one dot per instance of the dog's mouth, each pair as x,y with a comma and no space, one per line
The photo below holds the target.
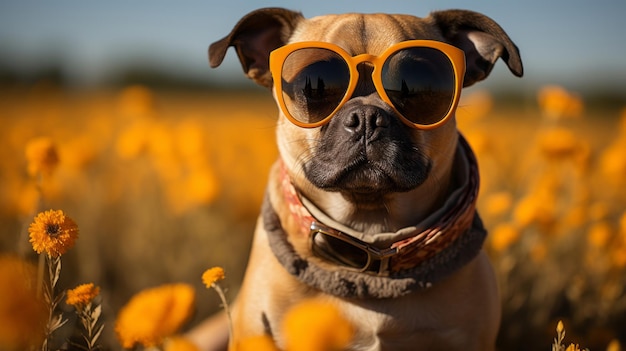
365,172
367,177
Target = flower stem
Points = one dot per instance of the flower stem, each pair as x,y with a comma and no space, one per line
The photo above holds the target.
220,292
89,315
54,322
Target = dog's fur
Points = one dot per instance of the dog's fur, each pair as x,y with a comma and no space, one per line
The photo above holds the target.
368,171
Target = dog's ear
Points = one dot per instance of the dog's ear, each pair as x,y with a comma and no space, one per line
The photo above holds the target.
254,37
483,41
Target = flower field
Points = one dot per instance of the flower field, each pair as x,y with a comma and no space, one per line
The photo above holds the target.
164,184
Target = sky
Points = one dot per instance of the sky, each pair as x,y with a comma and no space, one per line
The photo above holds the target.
579,44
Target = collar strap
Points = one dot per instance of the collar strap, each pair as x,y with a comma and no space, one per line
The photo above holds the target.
347,283
418,243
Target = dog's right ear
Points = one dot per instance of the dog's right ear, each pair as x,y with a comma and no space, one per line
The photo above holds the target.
254,37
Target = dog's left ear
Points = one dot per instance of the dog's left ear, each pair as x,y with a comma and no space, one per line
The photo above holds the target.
254,37
483,41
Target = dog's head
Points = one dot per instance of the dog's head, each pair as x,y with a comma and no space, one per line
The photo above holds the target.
350,133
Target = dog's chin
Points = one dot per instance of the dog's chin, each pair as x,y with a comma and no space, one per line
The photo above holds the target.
364,181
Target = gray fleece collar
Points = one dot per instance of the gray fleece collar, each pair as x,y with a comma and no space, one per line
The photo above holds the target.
350,284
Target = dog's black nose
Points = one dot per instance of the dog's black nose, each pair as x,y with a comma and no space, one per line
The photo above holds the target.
367,120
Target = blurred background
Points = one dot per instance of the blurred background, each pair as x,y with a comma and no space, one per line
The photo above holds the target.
162,161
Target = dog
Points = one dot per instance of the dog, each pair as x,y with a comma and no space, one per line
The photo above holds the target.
371,205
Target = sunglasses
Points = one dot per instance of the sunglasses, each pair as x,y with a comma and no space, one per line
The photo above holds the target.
420,80
337,247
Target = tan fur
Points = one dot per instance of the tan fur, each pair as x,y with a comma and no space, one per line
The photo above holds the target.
460,313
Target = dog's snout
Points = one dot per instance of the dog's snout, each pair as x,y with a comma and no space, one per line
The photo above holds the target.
366,120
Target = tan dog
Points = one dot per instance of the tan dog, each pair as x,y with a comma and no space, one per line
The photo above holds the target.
371,205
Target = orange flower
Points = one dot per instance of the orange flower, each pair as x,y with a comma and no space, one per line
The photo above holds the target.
559,327
256,343
558,143
498,204
558,103
42,156
573,347
599,234
154,314
82,295
202,186
613,162
313,325
22,313
178,343
133,140
504,235
212,276
614,345
53,232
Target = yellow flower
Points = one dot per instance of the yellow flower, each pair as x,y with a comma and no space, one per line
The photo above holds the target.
573,347
23,314
560,327
558,103
599,234
154,314
504,235
202,186
212,276
42,156
498,204
178,343
82,295
612,162
537,208
133,140
559,143
256,343
53,232
313,325
614,345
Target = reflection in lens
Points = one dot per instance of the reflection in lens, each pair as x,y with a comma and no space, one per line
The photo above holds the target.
339,251
420,83
314,81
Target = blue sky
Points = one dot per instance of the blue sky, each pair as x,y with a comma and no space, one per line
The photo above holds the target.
576,43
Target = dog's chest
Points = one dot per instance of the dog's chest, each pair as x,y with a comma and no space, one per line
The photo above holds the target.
406,323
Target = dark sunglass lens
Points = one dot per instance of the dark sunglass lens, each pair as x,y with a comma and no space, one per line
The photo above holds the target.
420,83
336,250
314,81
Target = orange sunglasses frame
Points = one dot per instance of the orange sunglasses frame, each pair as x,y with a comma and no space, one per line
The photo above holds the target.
456,56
